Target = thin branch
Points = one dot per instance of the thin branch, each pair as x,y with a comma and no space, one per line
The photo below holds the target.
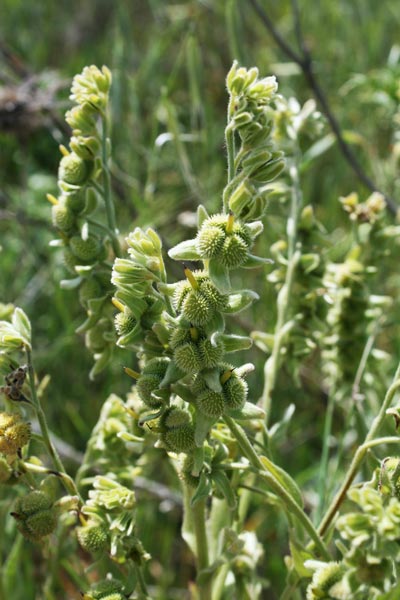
305,62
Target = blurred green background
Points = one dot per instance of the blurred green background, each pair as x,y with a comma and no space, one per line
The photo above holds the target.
169,61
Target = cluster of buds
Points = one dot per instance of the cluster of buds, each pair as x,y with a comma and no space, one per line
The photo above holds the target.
369,543
353,307
108,522
257,163
85,242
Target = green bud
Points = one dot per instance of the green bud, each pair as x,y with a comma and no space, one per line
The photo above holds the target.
14,433
62,216
86,147
73,170
93,537
85,250
82,119
157,366
329,575
211,404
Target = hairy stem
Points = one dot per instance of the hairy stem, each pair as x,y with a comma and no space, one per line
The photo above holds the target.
272,364
199,524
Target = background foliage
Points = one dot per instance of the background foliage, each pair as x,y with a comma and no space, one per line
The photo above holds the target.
169,62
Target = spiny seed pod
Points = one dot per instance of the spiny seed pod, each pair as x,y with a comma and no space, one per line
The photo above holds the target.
235,392
90,288
74,170
156,366
125,322
14,433
186,472
93,537
75,201
35,515
179,336
103,589
199,385
5,470
211,404
180,439
216,300
197,309
187,358
62,216
234,252
86,250
146,385
210,241
174,417
210,355
198,299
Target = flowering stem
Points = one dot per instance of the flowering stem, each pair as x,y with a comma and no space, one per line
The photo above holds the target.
359,455
275,485
110,210
281,329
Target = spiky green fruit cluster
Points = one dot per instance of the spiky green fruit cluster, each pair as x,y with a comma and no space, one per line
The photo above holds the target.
198,301
177,430
193,351
232,394
149,382
226,240
35,515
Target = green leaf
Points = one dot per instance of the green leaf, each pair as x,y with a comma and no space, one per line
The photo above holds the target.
317,149
202,491
172,374
202,427
70,284
205,575
22,325
219,275
240,301
212,378
299,556
202,215
101,361
185,251
223,485
248,412
284,479
253,262
235,343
